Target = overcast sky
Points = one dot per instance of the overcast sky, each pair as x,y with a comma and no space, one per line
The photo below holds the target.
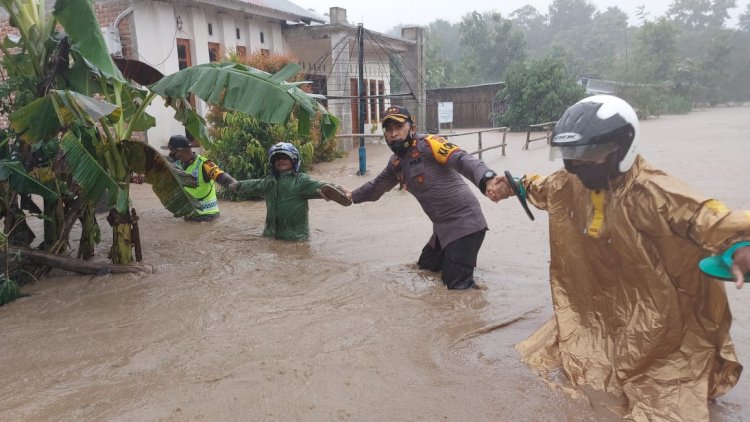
382,15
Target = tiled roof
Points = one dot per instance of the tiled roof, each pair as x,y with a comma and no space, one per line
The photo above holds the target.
286,7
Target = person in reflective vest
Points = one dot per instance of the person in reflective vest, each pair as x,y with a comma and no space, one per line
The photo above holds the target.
205,172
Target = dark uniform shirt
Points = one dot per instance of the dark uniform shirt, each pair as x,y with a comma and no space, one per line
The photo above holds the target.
431,171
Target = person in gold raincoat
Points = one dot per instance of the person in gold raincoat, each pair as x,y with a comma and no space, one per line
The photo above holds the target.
633,314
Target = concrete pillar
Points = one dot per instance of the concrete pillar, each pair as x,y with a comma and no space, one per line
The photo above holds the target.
227,34
251,41
337,16
338,82
199,45
414,59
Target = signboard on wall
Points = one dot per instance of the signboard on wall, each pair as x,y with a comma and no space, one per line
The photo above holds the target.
445,112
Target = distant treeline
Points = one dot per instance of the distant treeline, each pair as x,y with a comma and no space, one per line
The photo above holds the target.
686,57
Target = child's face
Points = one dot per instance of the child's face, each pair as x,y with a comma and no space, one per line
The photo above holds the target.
282,163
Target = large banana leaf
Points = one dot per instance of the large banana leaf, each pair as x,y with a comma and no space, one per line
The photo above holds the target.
79,21
74,108
251,91
59,109
36,121
20,181
193,122
132,98
90,176
80,76
167,181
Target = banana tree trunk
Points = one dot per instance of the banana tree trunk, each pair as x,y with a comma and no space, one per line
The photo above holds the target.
122,237
54,222
90,233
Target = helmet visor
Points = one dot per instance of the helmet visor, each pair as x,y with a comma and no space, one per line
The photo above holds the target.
281,154
594,153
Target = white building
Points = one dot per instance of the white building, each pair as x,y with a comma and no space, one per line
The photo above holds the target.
172,35
329,56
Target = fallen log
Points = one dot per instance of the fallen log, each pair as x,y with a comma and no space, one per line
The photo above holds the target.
75,265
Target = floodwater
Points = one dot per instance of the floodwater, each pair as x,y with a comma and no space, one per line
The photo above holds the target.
232,326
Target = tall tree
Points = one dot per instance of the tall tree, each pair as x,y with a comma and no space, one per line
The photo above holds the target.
700,13
737,86
538,91
656,52
567,14
490,45
534,24
604,51
570,28
744,23
713,68
442,53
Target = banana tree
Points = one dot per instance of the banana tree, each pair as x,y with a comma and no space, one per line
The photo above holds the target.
96,111
25,61
237,87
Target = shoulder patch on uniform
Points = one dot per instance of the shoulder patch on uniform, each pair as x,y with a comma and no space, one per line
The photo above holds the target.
441,149
212,170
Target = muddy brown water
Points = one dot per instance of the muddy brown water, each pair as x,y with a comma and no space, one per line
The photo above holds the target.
232,326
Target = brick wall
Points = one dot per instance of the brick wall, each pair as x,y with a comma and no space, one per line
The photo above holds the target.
106,13
5,27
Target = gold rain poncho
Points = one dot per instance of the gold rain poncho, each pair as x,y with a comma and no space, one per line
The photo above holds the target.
633,314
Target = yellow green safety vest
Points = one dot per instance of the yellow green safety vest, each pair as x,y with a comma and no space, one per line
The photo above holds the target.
205,192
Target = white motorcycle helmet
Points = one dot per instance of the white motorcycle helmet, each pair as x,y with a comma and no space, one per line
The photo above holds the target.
594,127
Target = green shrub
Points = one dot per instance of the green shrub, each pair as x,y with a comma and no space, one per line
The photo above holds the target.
537,91
675,104
653,101
242,142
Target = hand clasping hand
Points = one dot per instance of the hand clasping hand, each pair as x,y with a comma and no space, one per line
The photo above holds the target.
498,188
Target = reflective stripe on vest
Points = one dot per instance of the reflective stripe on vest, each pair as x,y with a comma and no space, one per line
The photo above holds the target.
205,192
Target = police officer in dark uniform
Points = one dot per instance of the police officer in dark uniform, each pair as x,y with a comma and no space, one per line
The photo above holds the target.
430,168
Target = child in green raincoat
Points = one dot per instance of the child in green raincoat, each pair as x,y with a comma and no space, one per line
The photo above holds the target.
286,192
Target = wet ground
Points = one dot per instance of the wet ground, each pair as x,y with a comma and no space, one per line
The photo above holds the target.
235,327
